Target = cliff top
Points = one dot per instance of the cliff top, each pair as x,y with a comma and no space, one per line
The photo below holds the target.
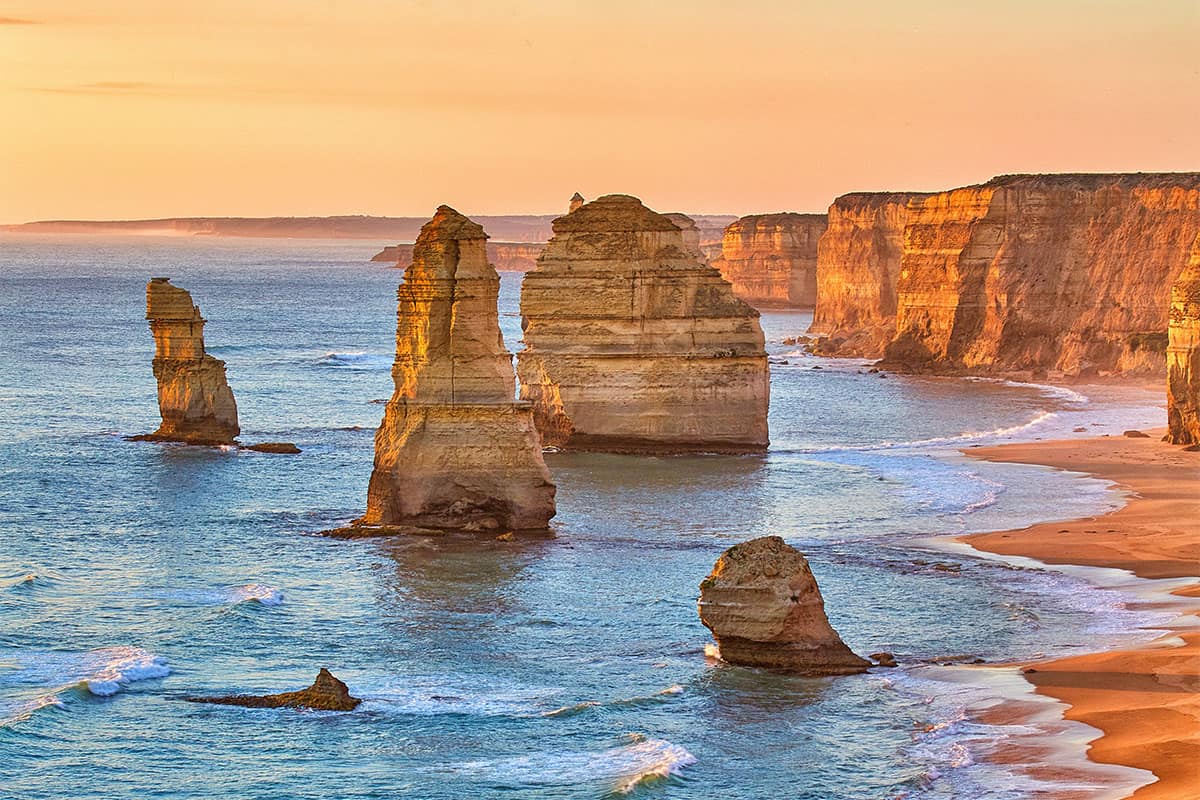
781,218
1099,180
449,225
164,301
614,212
875,199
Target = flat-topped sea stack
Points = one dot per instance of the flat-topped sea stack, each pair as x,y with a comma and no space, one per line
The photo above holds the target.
764,608
455,450
633,344
771,259
1183,354
858,266
1060,273
194,399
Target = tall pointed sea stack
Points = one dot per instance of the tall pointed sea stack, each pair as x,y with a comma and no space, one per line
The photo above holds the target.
455,450
194,399
1183,354
633,344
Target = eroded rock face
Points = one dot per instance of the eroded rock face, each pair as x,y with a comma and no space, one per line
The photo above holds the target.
504,256
455,450
771,259
326,694
1069,273
1183,354
858,266
194,399
633,344
762,604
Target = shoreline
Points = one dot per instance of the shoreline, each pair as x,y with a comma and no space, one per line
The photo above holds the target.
1145,699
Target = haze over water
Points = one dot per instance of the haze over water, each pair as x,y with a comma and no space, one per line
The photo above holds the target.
132,574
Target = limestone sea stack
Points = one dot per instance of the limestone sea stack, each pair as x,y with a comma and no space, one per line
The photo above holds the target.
858,265
762,604
326,694
1058,273
633,344
455,449
771,259
1183,354
194,399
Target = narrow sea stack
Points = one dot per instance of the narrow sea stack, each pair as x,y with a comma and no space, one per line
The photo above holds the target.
762,604
194,399
858,266
326,694
771,259
1063,273
633,344
1183,355
455,450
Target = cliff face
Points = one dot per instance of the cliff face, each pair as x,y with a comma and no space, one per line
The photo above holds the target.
454,449
771,259
633,344
1183,354
504,256
1053,272
194,399
858,265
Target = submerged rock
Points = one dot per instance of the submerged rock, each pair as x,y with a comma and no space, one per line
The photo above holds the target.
194,399
273,447
326,694
634,344
762,604
455,450
1183,354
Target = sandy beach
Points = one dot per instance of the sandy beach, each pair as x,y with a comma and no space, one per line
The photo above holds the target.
1146,701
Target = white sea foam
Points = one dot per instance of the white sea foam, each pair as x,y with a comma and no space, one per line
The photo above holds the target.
108,670
1038,419
56,675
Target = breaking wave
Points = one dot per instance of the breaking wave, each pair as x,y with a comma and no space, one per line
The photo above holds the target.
1038,419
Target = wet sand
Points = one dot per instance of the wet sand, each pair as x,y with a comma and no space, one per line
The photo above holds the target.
1146,701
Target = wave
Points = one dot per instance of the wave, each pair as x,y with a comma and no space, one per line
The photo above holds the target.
110,669
642,760
19,580
1060,393
261,593
625,702
356,360
939,441
437,695
25,710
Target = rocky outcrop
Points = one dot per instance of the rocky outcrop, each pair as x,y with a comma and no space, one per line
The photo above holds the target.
194,399
1183,354
762,604
326,694
504,256
691,235
858,265
455,450
771,259
632,344
1066,273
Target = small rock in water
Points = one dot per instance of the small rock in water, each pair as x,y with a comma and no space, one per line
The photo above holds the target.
1079,429
326,694
883,659
273,447
1135,435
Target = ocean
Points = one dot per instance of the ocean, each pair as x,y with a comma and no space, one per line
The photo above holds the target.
134,573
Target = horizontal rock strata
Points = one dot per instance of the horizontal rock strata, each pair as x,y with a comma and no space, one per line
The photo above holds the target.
504,256
764,608
633,344
455,449
1183,354
771,259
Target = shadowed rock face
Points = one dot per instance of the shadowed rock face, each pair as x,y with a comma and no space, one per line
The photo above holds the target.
455,450
633,344
763,606
1069,273
1183,355
771,259
326,694
194,399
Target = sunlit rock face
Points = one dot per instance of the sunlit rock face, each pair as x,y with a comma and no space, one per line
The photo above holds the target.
455,450
633,344
1068,273
1183,354
194,399
858,265
764,608
504,256
771,259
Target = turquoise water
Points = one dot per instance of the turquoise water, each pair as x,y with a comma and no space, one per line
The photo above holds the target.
132,574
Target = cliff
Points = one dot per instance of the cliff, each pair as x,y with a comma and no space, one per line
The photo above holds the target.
455,450
504,256
764,608
1183,354
194,399
633,344
771,259
858,265
1070,273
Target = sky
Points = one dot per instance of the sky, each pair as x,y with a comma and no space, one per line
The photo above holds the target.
123,109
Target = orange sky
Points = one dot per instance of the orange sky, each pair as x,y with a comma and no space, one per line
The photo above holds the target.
143,108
